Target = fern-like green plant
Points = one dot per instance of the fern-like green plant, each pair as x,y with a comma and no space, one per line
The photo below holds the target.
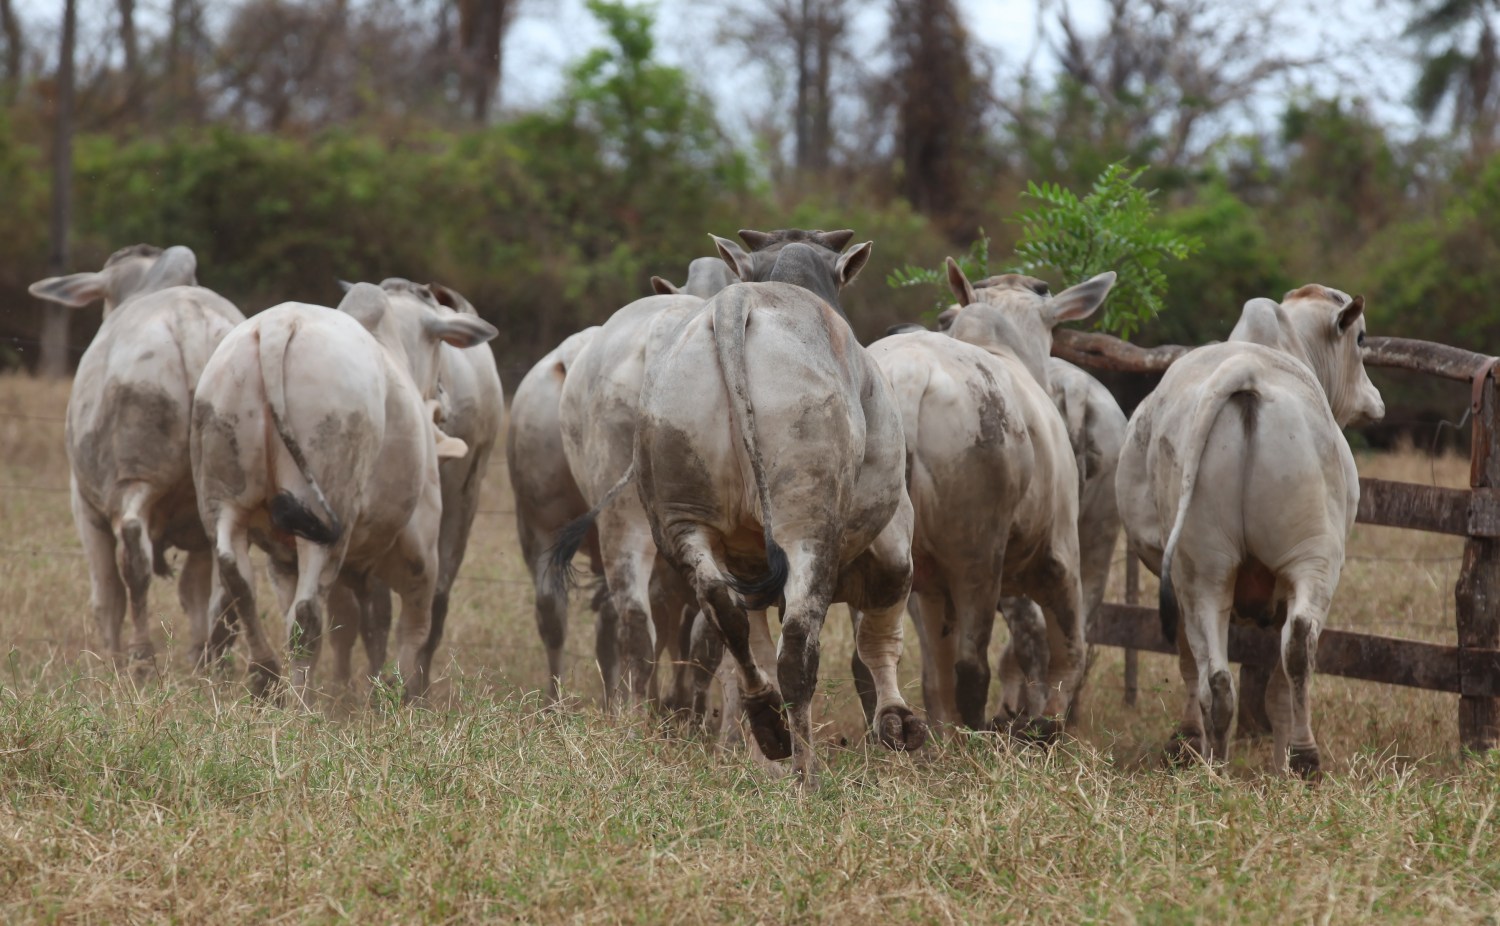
1108,229
975,264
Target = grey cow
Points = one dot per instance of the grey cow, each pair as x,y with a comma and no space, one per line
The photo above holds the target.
127,432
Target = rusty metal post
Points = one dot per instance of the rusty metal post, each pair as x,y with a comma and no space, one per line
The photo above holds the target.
1132,656
1477,594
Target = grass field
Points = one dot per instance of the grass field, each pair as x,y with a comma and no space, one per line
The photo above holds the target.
181,800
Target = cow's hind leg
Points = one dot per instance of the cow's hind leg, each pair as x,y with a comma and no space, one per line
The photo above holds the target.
811,580
1024,662
317,570
762,702
134,556
864,682
1206,604
344,619
375,623
237,607
885,582
1311,596
932,614
106,590
194,590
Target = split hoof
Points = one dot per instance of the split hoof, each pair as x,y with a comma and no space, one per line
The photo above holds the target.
1306,762
900,729
1184,747
767,716
1034,731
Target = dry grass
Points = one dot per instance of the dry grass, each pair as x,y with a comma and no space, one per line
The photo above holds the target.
182,801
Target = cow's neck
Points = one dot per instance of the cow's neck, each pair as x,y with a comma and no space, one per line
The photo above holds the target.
1319,359
803,270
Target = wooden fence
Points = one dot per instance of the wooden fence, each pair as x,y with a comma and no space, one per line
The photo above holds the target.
1472,668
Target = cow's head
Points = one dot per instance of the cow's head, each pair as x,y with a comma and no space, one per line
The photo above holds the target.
413,324
1019,312
810,259
706,276
1325,329
133,271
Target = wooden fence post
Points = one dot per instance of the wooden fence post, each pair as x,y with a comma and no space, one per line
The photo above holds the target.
1132,656
1477,594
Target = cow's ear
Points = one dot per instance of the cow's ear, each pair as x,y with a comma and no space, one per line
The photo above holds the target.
1082,300
451,298
664,287
948,316
1350,314
734,257
449,448
1260,323
756,240
837,240
367,303
177,266
962,289
345,286
76,289
460,330
852,261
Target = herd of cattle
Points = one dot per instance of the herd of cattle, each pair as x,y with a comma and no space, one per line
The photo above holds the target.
718,449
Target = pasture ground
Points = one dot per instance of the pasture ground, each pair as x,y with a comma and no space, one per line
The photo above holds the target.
181,800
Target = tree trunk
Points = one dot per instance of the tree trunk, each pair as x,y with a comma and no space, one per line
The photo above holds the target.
132,46
15,50
54,359
481,36
802,40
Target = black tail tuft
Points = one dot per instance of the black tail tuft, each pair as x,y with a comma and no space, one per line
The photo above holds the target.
290,515
1167,604
765,591
560,566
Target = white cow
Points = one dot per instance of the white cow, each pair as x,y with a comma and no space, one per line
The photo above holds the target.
770,445
995,488
127,432
1237,487
599,412
472,410
313,432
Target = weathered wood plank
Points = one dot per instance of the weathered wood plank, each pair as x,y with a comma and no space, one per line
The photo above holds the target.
1477,593
1460,512
1368,657
1106,352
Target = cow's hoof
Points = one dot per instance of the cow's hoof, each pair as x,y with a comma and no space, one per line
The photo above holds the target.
1306,762
265,681
900,729
1184,747
1035,731
767,716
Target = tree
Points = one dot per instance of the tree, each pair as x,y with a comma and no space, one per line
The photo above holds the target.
1459,52
939,101
54,340
131,45
15,51
807,38
481,37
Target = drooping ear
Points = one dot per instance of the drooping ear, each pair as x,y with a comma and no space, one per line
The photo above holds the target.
837,240
459,330
948,316
852,261
367,303
177,266
1350,313
1082,300
1260,323
734,257
449,448
76,290
962,289
345,286
451,298
664,287
756,240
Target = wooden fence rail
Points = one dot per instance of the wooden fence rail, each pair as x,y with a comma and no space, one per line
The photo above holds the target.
1471,669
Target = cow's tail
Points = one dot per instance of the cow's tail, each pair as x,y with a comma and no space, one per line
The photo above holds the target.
731,315
565,546
1230,380
288,512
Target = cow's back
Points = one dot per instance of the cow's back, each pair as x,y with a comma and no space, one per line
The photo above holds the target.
131,403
